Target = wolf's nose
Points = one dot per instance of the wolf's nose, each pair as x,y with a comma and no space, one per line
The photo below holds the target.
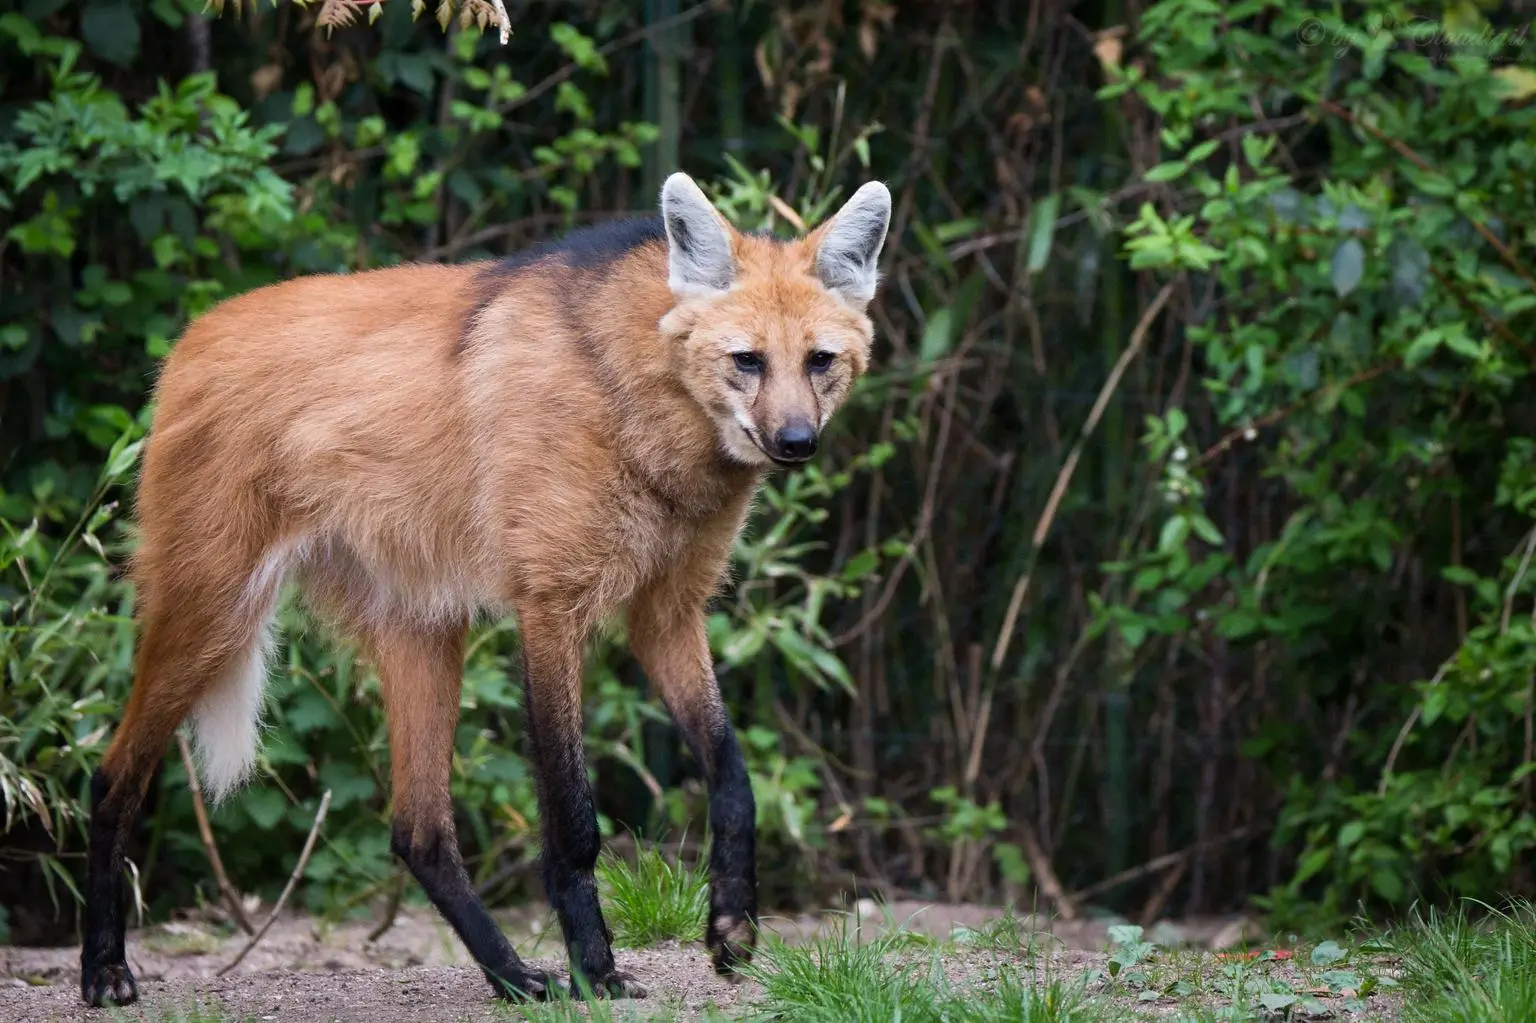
796,442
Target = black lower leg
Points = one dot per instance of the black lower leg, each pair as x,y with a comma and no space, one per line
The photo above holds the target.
104,975
431,853
732,930
571,841
571,845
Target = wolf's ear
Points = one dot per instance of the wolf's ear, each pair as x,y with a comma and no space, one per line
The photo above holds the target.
699,260
846,258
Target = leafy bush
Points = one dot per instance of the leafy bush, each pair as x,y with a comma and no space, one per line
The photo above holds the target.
1369,329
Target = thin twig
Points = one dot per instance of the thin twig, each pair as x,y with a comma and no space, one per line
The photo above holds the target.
1064,477
1271,418
989,241
925,519
226,889
391,908
1045,874
293,879
1159,898
1402,733
1159,863
1514,584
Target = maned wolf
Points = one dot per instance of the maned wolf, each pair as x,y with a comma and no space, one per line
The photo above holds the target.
579,427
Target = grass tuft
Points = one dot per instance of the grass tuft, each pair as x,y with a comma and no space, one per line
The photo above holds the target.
840,979
1466,971
651,900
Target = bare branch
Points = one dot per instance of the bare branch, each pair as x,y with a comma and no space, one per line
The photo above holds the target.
293,879
200,809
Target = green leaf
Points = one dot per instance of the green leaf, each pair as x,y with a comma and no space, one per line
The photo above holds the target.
1202,151
860,565
937,336
1348,266
1042,230
1311,863
1328,953
265,806
1458,341
1434,704
957,229
1206,530
815,661
1166,171
1010,861
1461,575
111,31
1423,347
1125,934
1410,270
1388,884
348,783
414,71
14,336
861,150
1516,83
1351,833
122,458
1175,531
304,99
1238,623
1275,1001
742,645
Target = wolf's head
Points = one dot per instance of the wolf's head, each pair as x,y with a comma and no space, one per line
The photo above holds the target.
771,335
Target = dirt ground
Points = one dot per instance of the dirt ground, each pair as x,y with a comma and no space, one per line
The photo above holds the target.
306,972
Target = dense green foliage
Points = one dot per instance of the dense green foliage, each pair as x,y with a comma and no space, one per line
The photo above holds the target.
1189,507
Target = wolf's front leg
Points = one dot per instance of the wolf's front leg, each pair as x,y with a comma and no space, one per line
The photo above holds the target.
673,648
552,660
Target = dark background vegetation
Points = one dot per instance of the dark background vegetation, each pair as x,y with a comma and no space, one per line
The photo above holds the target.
1173,559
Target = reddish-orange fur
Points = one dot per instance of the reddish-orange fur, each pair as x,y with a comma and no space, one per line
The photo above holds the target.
420,443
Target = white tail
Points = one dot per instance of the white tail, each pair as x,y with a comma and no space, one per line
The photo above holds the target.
226,723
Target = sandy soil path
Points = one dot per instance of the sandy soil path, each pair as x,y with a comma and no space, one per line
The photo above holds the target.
417,972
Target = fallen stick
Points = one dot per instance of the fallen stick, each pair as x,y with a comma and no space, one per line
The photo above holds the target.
391,908
293,879
1159,863
226,889
1045,874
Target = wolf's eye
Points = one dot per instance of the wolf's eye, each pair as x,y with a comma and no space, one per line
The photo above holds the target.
819,361
748,362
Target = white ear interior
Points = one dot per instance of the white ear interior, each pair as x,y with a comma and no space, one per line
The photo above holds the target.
848,260
699,260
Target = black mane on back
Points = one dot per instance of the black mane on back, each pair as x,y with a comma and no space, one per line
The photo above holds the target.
589,247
